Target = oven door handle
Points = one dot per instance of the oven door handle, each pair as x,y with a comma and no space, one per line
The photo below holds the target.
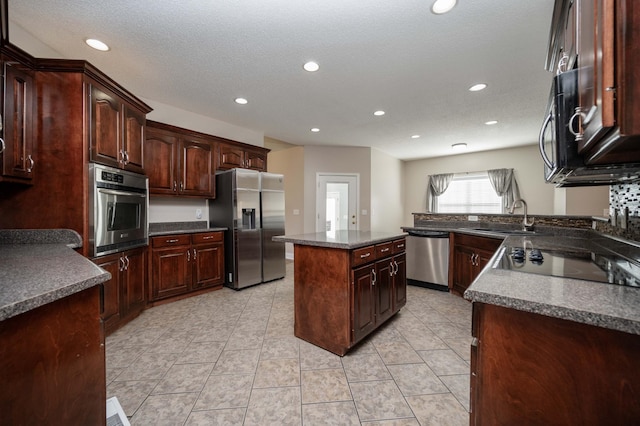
125,193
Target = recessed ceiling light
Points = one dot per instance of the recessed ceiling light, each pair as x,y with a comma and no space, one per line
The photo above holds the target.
477,87
315,129
97,44
459,146
241,101
442,6
311,66
491,123
415,136
379,113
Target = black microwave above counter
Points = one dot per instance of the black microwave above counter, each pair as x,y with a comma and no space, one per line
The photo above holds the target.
563,164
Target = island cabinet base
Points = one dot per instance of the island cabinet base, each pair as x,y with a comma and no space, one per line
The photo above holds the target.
52,365
342,295
537,370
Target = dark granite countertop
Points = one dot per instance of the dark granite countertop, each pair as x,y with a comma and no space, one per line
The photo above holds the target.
172,228
32,275
340,239
604,305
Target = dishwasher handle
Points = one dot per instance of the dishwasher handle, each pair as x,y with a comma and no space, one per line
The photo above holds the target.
428,234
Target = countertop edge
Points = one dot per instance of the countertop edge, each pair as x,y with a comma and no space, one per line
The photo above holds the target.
307,240
185,231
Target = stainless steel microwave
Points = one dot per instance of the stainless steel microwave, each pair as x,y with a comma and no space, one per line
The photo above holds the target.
118,210
563,165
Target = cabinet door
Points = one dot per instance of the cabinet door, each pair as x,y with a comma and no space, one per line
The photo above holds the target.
197,168
208,265
160,151
596,70
110,291
106,128
463,268
134,280
400,282
384,289
17,133
363,301
256,160
171,271
230,157
133,142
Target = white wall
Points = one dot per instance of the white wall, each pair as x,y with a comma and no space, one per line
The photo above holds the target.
174,209
542,198
178,117
387,192
321,159
290,163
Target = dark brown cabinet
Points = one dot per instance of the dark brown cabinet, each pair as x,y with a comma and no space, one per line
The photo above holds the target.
528,368
469,254
17,145
600,38
366,287
235,156
183,164
124,294
181,264
116,130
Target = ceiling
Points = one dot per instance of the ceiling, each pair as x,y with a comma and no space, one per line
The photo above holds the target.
391,55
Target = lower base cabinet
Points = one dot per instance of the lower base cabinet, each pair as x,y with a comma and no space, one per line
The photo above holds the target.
469,254
52,364
533,369
184,263
365,288
124,294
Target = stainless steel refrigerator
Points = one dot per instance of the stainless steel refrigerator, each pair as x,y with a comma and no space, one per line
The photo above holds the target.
250,255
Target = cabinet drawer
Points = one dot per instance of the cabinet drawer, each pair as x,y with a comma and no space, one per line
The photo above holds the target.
480,243
384,250
363,255
171,240
207,237
399,246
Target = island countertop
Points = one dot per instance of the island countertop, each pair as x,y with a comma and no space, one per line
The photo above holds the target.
32,275
340,239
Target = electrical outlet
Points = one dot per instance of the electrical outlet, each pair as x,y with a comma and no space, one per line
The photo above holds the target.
473,218
198,213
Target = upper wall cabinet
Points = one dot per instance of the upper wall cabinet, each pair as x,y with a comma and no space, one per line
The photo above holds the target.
17,148
116,130
237,156
179,163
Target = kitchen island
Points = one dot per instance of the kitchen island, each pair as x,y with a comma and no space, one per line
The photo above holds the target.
52,360
346,284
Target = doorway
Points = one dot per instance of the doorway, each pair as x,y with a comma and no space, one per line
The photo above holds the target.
336,202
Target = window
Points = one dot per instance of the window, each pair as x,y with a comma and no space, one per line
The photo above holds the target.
470,193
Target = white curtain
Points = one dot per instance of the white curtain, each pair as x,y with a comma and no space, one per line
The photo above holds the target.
437,185
505,184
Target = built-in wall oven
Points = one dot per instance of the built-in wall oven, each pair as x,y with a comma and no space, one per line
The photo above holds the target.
118,209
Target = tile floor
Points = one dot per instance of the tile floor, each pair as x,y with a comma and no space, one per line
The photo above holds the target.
230,358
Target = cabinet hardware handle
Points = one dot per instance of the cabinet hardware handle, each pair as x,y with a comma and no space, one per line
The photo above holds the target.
363,256
126,266
392,273
3,146
181,186
384,250
474,342
374,278
195,254
121,261
175,186
208,237
579,135
397,267
400,246
172,241
31,163
126,157
188,255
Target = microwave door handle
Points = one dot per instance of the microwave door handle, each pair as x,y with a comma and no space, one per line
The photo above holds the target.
116,192
546,160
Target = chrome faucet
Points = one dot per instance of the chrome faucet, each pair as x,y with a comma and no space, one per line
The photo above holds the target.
526,225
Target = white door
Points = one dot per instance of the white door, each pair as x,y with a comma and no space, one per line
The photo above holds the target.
336,202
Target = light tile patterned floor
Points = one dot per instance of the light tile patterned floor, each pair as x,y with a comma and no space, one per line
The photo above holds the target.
230,358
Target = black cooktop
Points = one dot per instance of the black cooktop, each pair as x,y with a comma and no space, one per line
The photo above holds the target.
583,265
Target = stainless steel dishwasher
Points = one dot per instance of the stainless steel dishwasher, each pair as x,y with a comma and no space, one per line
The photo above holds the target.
428,259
